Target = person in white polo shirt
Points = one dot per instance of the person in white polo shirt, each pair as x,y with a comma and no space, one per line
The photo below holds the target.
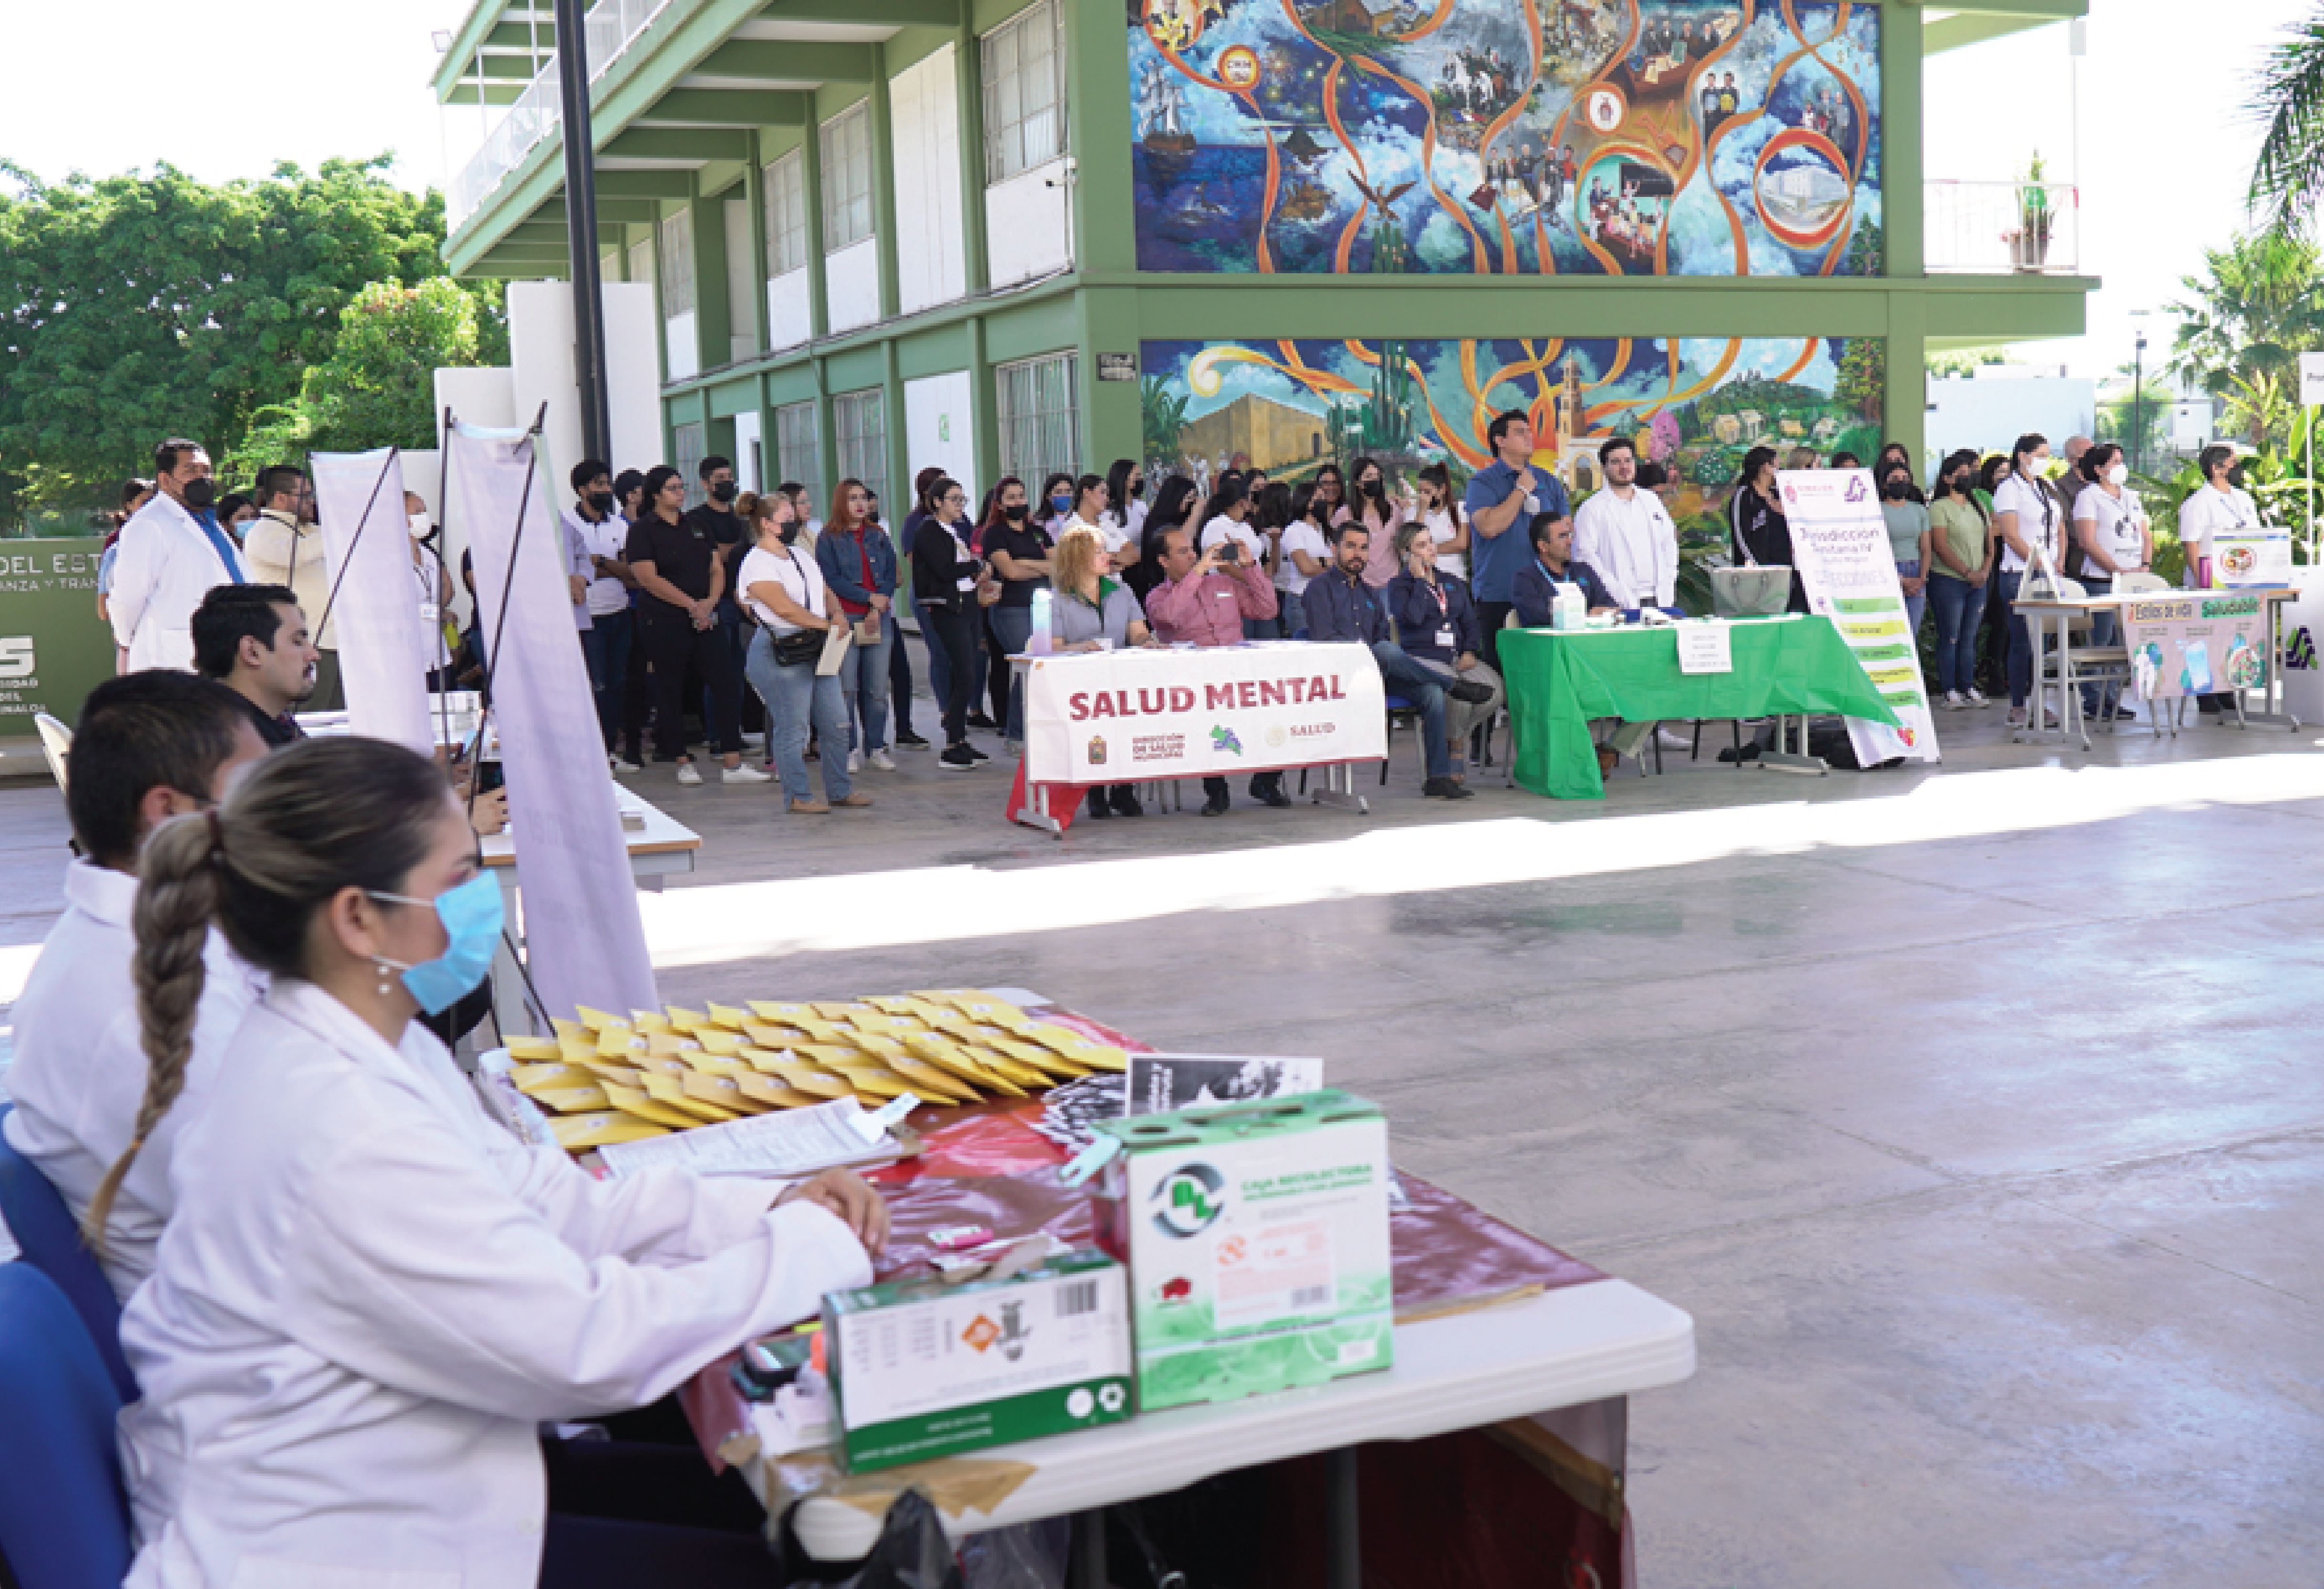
2029,524
1626,535
2219,503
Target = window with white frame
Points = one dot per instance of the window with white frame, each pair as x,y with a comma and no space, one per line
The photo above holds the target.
1040,428
846,178
786,190
677,262
858,423
1024,92
640,267
686,458
797,456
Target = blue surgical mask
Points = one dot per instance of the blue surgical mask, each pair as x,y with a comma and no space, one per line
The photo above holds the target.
1061,502
472,918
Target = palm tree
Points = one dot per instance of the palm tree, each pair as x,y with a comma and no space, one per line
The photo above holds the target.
2288,177
2259,304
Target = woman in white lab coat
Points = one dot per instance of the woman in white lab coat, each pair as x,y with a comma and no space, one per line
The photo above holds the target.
369,1296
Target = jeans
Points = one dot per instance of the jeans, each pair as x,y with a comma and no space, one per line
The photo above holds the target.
1262,628
1915,609
939,663
2021,637
899,676
605,645
1013,628
2104,630
793,696
951,634
1959,605
1462,717
863,681
1406,677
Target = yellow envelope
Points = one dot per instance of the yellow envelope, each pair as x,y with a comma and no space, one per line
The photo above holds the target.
572,1100
729,1017
835,1056
671,1090
766,1011
717,1041
633,1101
892,1003
878,1043
620,1039
529,1076
819,1084
598,1020
569,1029
608,1069
686,1020
772,1037
524,1048
651,1021
766,1059
576,1131
670,1045
722,1091
930,1082
835,1010
767,1089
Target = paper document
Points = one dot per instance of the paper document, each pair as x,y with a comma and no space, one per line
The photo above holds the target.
1160,1083
788,1143
835,643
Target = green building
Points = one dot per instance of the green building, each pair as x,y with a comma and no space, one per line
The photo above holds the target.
1011,238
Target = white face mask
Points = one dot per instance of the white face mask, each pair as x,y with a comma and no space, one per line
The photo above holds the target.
419,526
2118,472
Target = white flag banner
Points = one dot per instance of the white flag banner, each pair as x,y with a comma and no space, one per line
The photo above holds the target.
1839,544
382,641
584,941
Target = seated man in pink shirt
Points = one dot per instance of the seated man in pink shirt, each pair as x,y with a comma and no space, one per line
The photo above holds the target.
1202,600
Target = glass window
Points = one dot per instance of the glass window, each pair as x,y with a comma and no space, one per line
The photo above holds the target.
846,178
1024,92
860,422
686,457
786,190
1041,427
797,456
677,266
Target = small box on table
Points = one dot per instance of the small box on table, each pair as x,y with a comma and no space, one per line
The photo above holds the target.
1256,1236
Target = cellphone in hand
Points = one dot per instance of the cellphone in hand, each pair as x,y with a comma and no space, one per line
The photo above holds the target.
1230,551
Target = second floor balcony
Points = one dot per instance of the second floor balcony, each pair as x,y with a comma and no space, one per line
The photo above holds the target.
2002,228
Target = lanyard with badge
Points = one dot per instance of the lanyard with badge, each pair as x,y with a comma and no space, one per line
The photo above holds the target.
1444,635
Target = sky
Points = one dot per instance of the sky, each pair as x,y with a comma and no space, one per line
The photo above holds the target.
2161,153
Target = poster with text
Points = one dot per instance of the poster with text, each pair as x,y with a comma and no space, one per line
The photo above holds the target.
1840,542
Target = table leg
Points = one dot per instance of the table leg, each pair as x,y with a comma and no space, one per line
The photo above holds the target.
1339,789
2272,714
1086,1569
509,1013
1783,759
1036,811
1343,1563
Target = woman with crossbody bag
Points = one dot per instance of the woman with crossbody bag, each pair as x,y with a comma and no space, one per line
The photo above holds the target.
2025,515
795,611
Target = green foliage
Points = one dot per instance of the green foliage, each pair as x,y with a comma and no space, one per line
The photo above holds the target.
2138,421
1965,360
142,305
2288,176
1863,385
1163,414
2278,482
2258,306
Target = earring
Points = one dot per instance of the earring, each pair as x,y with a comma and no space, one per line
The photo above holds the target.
382,968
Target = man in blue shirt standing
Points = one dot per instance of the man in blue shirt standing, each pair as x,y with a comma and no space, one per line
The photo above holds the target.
1503,498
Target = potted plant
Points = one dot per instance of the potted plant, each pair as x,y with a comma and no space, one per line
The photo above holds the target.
2029,240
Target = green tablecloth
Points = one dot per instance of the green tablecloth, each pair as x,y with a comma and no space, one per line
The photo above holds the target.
1558,681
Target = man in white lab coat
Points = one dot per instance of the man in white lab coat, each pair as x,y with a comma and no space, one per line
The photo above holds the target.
1626,535
150,746
172,552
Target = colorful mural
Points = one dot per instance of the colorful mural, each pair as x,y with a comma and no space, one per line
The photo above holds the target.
1701,404
1594,137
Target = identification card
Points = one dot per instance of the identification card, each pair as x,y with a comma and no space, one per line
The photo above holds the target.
1445,637
966,582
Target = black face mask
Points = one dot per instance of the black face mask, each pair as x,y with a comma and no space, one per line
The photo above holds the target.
601,502
1015,515
1895,489
1136,489
790,533
1375,489
203,494
723,492
2234,478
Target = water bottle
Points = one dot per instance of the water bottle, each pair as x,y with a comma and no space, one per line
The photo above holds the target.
1039,644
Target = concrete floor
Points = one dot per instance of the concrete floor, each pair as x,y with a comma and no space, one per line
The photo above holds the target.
1972,1113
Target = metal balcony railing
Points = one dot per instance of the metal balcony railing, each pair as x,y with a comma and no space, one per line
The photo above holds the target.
608,29
2001,229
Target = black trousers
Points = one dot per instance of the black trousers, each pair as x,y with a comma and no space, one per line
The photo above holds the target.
636,687
996,661
671,643
900,678
1491,617
949,627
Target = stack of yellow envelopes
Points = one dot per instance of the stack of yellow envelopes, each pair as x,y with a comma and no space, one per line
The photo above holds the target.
611,1079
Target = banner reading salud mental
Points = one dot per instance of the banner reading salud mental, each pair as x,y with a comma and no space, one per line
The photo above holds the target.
1839,544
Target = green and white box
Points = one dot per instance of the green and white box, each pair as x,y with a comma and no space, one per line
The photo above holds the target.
920,1368
1256,1237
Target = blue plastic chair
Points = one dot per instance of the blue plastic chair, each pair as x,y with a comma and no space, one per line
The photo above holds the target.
64,1521
44,1228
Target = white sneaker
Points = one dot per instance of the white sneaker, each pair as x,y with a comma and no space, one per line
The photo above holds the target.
754,741
745,773
1674,740
689,774
883,761
1953,702
855,760
1976,697
623,764
2016,718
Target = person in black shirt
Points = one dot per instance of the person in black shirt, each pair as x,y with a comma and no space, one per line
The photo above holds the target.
945,574
1019,551
722,527
680,578
1759,532
254,639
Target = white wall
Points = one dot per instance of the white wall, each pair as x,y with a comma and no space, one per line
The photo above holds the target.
750,453
682,353
930,268
633,375
741,313
790,315
1028,225
850,281
938,428
1990,414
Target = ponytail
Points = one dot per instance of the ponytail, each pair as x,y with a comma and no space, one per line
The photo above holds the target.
177,896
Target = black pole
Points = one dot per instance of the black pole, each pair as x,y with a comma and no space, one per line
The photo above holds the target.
2138,401
581,229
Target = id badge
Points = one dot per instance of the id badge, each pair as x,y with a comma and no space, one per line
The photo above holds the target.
967,582
1445,638
1532,502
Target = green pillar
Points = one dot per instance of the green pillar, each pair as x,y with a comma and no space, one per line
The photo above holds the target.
818,305
1902,176
1113,419
1906,400
1097,132
983,406
754,204
881,115
826,442
712,321
897,501
968,85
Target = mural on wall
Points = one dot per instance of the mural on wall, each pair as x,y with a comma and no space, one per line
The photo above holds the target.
1699,403
1596,137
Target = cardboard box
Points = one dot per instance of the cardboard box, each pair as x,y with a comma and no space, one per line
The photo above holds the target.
920,1368
1257,1243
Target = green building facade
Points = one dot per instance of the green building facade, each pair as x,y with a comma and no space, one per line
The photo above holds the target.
1012,239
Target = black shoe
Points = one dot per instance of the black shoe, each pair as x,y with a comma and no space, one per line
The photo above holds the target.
1270,793
908,741
1470,692
1445,789
1095,805
1216,805
974,752
958,756
1750,752
979,720
1125,801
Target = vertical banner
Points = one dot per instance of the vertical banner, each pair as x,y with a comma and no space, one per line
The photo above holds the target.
584,943
1840,541
383,649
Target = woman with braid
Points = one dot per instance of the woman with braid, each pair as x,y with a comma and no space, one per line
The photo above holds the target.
368,1295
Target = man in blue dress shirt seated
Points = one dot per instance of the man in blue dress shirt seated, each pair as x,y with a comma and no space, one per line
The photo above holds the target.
1553,564
1342,609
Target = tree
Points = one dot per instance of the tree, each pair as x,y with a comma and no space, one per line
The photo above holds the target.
1863,385
2288,176
1966,360
2137,419
141,306
2252,313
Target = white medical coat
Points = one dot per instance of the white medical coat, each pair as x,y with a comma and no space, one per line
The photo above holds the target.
1633,545
166,565
370,1295
79,1073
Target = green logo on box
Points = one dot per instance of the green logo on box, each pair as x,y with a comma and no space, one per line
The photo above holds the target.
1190,1198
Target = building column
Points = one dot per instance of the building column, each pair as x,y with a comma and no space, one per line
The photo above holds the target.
881,114
899,500
1902,175
1905,403
754,202
983,405
818,305
968,89
1097,112
826,440
706,219
1113,423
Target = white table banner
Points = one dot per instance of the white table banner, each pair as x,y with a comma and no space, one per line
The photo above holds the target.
1839,544
584,941
383,647
1122,715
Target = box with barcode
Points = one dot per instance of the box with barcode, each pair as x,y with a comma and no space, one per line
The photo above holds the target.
1256,1237
920,1368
